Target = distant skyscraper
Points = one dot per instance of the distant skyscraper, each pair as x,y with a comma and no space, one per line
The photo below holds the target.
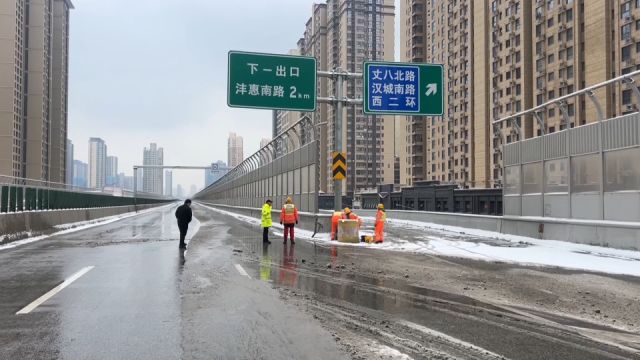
179,192
69,163
235,150
193,190
112,171
33,110
153,177
218,170
126,182
140,180
80,173
97,163
168,183
264,142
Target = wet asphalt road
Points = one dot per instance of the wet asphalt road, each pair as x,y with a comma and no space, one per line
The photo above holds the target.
230,297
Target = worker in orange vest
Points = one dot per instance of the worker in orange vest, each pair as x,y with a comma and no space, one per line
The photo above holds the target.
349,215
337,215
381,218
289,218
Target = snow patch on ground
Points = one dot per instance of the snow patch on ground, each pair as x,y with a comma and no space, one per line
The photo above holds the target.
73,227
385,352
435,239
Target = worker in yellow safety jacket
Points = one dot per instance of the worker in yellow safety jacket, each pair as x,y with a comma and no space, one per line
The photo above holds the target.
266,221
381,218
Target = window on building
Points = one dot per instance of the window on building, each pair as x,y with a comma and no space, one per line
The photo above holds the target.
625,9
551,95
539,99
568,15
551,76
552,112
540,82
518,89
626,97
540,64
569,34
539,47
569,72
550,22
638,48
570,53
626,32
550,4
550,59
518,73
626,53
539,12
550,40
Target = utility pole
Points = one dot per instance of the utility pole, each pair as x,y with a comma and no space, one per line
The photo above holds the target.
338,100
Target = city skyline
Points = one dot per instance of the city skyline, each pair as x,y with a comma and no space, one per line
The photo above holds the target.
193,122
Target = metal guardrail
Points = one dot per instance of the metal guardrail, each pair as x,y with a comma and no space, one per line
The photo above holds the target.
536,112
20,194
288,166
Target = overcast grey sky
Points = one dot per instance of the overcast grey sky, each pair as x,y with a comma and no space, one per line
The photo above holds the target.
155,71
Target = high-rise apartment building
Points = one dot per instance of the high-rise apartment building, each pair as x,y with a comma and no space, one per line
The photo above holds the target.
284,119
69,162
360,30
342,34
218,170
80,173
235,152
97,163
111,172
139,179
168,183
314,43
33,88
505,56
152,178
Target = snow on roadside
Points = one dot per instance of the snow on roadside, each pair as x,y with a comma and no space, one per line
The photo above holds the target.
437,240
388,353
73,227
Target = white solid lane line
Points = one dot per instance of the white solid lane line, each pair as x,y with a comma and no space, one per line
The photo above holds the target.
241,270
29,308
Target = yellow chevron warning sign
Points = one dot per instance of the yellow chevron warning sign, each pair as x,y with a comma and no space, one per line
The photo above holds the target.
339,165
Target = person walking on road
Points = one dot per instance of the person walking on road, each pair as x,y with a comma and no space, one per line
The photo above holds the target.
184,216
289,218
266,221
381,218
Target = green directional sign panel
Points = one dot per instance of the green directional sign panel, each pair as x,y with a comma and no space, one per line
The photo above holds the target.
269,81
403,88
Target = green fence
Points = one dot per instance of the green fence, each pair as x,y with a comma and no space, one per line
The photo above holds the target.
23,198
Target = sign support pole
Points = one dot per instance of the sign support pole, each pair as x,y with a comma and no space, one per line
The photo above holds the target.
338,101
337,184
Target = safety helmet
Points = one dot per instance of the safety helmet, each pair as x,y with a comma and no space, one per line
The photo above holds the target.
289,201
347,210
380,206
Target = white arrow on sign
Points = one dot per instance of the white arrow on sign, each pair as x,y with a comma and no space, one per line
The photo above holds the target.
431,89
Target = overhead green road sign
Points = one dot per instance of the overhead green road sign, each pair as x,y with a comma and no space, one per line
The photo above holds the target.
270,81
403,88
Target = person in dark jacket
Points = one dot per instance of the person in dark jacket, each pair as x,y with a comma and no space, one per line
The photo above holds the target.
184,215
